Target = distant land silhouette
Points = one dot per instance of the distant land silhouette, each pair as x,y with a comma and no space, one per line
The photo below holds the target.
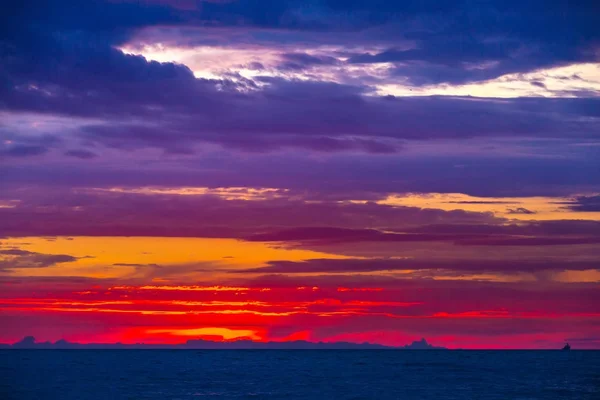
29,342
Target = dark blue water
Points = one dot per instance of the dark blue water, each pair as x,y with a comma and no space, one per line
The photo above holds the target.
321,374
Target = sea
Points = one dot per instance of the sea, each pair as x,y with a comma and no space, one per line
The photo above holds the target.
298,374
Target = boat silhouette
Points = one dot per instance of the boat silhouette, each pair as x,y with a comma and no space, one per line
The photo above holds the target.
567,347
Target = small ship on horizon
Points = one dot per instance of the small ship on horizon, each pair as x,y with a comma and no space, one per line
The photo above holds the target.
567,347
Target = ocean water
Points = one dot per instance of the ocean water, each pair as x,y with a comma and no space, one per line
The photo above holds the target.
298,374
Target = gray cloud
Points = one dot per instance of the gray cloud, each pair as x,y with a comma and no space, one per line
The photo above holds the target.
17,259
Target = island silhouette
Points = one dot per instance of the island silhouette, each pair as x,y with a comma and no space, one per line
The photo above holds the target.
29,342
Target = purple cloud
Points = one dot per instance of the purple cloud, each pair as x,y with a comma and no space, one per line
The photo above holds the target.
81,154
456,267
584,204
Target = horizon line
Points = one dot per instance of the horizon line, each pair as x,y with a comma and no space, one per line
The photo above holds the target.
30,342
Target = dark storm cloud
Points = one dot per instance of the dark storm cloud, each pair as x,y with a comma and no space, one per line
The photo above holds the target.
60,59
317,116
66,64
450,42
462,59
449,38
73,74
114,20
77,74
485,40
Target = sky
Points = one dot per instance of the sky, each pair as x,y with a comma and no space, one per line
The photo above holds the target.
321,170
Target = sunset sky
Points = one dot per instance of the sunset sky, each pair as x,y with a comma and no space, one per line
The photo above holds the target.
323,170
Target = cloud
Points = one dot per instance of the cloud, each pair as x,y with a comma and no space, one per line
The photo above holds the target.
427,43
135,265
473,309
11,259
301,61
339,175
23,151
519,210
350,266
25,146
546,233
330,235
323,117
109,213
289,217
81,154
576,228
584,204
301,110
84,75
538,84
133,137
481,202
